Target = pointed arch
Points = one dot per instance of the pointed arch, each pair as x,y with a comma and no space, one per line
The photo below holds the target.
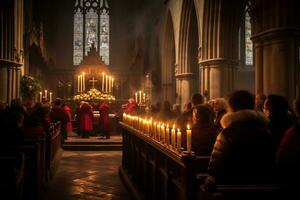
168,61
187,76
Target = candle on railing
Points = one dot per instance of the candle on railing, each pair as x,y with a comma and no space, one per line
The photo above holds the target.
167,135
150,127
41,96
154,130
173,136
189,139
178,140
46,94
157,131
50,97
162,133
140,95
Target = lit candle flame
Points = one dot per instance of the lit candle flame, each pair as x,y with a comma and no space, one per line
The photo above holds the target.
188,126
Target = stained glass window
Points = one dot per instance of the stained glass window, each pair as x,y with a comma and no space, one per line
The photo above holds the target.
91,26
248,42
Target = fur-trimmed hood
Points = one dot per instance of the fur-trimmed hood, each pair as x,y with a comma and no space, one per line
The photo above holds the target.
242,115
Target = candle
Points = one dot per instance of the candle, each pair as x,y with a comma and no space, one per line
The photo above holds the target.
102,81
173,136
41,96
162,133
154,130
136,97
157,131
106,83
46,94
189,139
178,139
140,95
83,81
109,84
50,97
78,84
167,135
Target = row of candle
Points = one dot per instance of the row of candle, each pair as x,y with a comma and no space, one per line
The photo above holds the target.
107,83
138,97
160,131
46,96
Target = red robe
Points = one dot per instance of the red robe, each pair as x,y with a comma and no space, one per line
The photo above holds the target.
86,118
104,117
69,123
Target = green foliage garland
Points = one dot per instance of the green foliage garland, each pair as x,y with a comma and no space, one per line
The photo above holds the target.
29,87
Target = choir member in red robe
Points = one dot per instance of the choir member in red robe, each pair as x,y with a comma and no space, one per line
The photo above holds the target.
68,112
86,120
104,122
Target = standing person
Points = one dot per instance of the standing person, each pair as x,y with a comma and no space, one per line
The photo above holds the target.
68,112
58,114
86,120
130,107
104,122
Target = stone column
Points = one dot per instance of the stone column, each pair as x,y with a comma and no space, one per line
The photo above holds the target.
258,68
3,84
217,75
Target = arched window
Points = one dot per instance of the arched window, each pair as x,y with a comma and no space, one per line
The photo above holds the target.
248,42
91,26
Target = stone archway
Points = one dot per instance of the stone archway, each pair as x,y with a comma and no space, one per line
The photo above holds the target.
168,62
187,73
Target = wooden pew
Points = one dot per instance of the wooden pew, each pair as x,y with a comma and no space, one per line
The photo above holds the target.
152,171
53,148
12,175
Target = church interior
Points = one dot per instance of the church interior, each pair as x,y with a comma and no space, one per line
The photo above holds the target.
151,99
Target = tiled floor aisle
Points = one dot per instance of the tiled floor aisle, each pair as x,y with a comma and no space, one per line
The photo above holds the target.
88,175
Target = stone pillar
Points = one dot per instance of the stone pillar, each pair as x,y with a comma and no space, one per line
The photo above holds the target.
217,76
3,84
259,68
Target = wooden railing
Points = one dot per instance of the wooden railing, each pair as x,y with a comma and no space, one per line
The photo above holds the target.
152,171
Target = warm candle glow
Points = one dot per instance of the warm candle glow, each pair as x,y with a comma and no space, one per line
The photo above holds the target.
83,81
136,97
102,81
46,94
178,139
41,96
189,139
140,95
50,97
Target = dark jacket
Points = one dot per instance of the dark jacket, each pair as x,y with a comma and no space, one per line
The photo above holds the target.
203,139
288,155
243,152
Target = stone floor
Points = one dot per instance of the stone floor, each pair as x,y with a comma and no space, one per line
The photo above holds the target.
88,175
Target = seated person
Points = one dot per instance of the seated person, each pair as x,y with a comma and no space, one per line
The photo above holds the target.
204,131
244,150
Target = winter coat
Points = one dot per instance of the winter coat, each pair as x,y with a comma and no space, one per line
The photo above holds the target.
244,151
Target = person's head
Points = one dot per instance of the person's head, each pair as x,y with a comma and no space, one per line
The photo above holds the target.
188,107
197,99
241,100
220,104
203,115
131,100
166,106
296,107
57,102
260,99
275,106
